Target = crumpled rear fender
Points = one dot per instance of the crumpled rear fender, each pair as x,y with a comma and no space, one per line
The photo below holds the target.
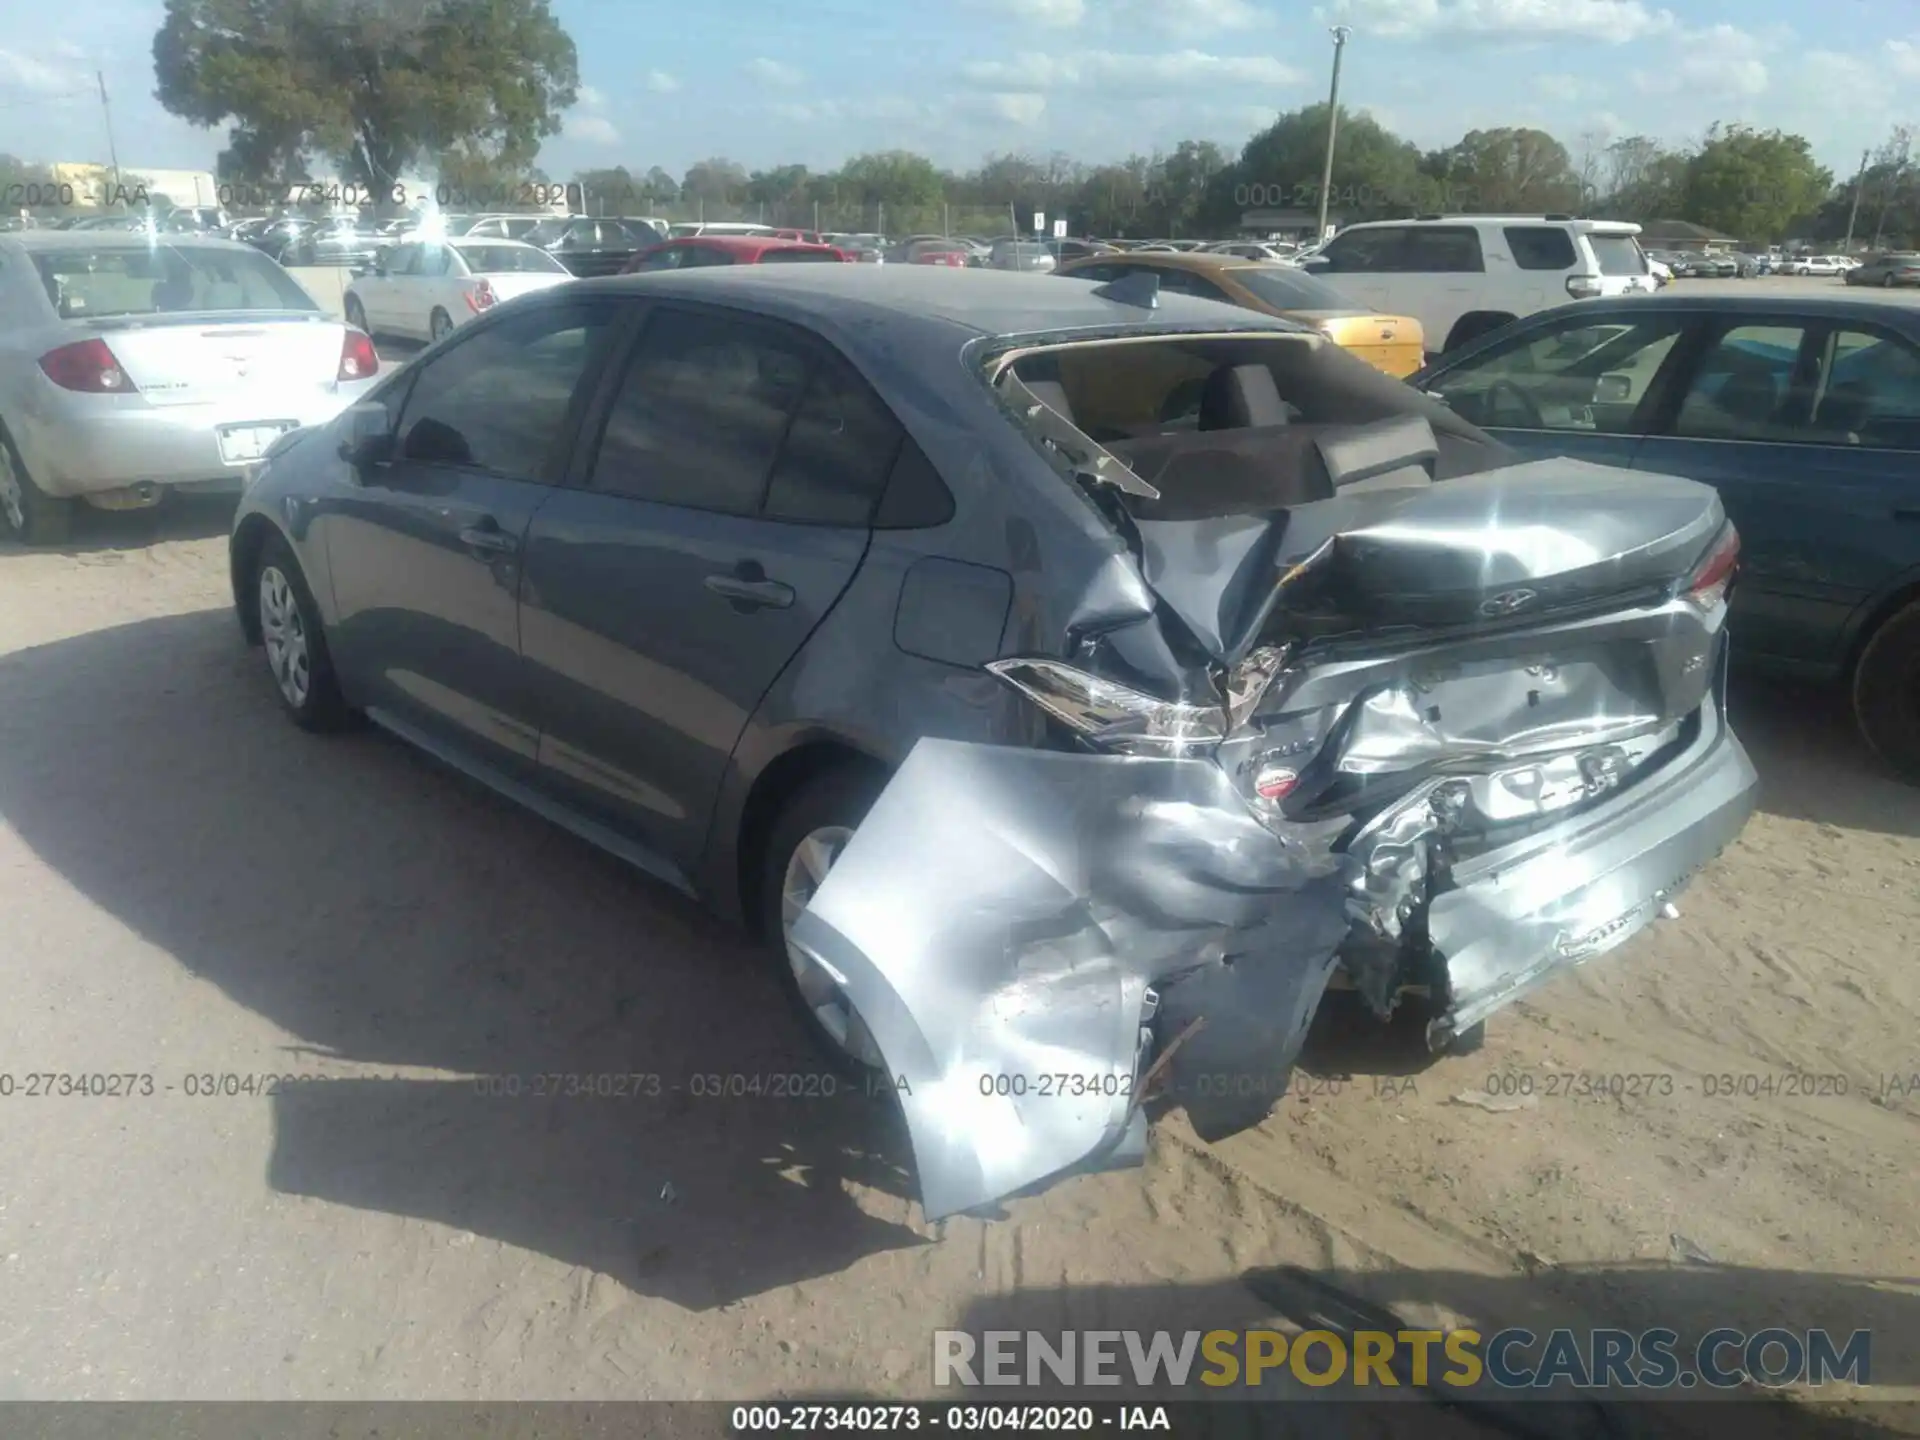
1023,930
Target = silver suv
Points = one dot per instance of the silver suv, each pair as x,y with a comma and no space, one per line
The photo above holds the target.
1021,255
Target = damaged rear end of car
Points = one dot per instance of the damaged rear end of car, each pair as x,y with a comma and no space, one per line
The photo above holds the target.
1371,704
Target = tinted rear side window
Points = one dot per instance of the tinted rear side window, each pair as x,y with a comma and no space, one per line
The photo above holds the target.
792,257
700,414
1540,247
841,445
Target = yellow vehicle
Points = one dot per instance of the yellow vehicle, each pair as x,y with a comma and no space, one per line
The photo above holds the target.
1393,343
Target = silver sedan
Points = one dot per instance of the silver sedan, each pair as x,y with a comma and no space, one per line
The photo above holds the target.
131,364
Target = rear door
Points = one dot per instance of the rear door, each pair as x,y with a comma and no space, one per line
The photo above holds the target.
426,552
380,292
717,517
1810,430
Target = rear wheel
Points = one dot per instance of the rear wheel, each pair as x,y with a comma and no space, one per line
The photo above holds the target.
1886,693
357,314
33,516
802,847
1886,281
439,324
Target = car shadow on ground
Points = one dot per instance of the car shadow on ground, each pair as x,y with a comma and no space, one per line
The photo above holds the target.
176,517
1813,764
386,913
381,909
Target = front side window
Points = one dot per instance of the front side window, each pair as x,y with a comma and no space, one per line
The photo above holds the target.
498,400
1577,375
1366,251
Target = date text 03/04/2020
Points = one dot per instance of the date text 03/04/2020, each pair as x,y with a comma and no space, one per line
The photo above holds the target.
807,1419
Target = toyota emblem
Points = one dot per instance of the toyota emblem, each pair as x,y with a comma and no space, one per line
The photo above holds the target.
1507,601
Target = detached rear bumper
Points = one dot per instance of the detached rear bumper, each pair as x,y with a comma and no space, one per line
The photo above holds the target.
1517,916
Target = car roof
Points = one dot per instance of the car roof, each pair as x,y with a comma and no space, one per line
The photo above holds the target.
742,244
1603,227
1838,306
491,242
35,240
845,300
1169,260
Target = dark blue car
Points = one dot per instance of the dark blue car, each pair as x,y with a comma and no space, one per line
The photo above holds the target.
1803,412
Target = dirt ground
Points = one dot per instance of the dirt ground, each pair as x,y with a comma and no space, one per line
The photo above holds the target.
191,887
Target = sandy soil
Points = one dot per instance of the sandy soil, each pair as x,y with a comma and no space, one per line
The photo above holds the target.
191,886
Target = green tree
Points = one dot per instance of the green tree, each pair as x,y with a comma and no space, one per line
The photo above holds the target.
715,181
375,86
1510,170
1182,182
1643,180
784,192
897,179
1376,174
606,190
1753,184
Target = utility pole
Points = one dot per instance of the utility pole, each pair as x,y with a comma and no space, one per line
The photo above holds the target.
1341,34
106,110
1859,184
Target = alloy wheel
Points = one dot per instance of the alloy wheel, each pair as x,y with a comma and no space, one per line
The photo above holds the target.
806,868
438,325
284,631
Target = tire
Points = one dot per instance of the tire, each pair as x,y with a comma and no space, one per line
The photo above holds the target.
439,325
357,314
824,810
1886,693
295,643
1886,280
27,512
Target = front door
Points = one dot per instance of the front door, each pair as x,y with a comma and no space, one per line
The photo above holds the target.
425,554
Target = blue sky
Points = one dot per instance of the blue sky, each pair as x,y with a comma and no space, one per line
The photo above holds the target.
766,81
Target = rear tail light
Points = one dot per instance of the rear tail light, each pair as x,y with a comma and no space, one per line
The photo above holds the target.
358,358
1583,287
1110,716
87,366
1711,579
481,296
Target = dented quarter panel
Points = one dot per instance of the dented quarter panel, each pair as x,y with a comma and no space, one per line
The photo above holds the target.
1069,888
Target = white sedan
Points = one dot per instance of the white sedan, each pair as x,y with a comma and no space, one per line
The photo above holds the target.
1814,265
423,288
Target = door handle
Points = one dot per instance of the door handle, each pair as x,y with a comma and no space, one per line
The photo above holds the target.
485,534
748,588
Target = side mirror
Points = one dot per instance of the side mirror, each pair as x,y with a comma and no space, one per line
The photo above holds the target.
1613,390
368,435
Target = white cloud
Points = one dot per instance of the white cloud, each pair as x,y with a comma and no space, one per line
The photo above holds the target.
588,96
661,83
1721,62
1021,107
1566,89
1614,21
1903,57
1180,69
591,130
24,75
774,72
1051,14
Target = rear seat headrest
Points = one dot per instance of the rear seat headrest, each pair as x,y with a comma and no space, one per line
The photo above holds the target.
1242,397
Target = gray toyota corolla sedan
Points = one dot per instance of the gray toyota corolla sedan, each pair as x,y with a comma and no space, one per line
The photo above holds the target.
1071,684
